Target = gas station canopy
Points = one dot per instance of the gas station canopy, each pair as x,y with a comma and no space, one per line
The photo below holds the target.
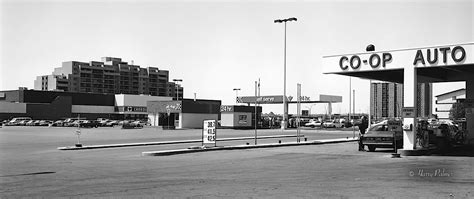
411,66
433,64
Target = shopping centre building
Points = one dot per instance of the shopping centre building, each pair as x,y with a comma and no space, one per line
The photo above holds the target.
55,105
157,110
446,63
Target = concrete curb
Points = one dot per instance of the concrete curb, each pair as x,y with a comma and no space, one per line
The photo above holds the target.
206,149
167,142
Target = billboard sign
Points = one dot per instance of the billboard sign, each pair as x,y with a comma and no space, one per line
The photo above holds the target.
273,99
330,98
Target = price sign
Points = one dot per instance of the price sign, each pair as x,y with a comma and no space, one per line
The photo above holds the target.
408,112
209,132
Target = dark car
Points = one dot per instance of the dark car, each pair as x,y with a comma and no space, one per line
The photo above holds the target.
381,135
58,123
132,125
89,123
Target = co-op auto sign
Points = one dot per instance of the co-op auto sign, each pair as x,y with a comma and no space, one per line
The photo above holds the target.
421,57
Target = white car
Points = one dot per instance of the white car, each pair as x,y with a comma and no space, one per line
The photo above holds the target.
329,124
313,123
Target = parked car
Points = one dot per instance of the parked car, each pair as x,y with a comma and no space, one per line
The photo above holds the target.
313,123
382,135
23,123
88,123
112,123
44,123
340,123
17,120
72,122
329,124
131,125
58,123
103,122
30,123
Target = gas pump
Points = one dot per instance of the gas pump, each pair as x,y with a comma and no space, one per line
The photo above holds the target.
460,136
422,134
395,127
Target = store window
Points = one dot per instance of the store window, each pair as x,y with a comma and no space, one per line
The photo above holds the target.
242,119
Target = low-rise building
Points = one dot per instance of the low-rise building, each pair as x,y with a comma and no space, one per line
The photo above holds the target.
184,113
445,101
54,105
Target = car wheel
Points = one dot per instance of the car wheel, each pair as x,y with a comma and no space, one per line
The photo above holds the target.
371,148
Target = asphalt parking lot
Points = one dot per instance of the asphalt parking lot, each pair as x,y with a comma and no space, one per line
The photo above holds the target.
31,166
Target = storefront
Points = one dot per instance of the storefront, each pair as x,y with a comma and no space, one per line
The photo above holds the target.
134,107
411,66
185,113
239,116
55,105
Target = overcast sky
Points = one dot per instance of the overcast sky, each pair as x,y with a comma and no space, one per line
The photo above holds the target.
215,46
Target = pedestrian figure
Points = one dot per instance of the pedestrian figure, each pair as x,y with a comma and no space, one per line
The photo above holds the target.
362,127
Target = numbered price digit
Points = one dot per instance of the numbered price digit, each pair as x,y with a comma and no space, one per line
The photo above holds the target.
210,124
211,131
211,138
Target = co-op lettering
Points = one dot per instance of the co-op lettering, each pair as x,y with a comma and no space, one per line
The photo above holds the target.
423,56
375,60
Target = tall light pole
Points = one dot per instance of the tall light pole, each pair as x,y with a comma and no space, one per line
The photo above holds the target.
177,93
176,85
236,94
285,107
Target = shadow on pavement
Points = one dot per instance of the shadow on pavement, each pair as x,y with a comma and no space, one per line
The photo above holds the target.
457,151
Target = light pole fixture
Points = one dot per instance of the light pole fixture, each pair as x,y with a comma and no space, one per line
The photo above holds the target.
285,107
177,96
176,86
236,94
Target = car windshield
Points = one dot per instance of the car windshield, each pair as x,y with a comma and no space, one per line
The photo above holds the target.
380,127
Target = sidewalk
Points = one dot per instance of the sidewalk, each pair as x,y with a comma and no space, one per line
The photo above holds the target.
167,142
205,149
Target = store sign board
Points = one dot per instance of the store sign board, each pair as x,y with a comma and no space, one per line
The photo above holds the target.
131,109
418,57
164,106
408,112
226,108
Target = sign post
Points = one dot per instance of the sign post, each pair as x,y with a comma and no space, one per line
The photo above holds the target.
78,133
394,126
209,132
298,107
